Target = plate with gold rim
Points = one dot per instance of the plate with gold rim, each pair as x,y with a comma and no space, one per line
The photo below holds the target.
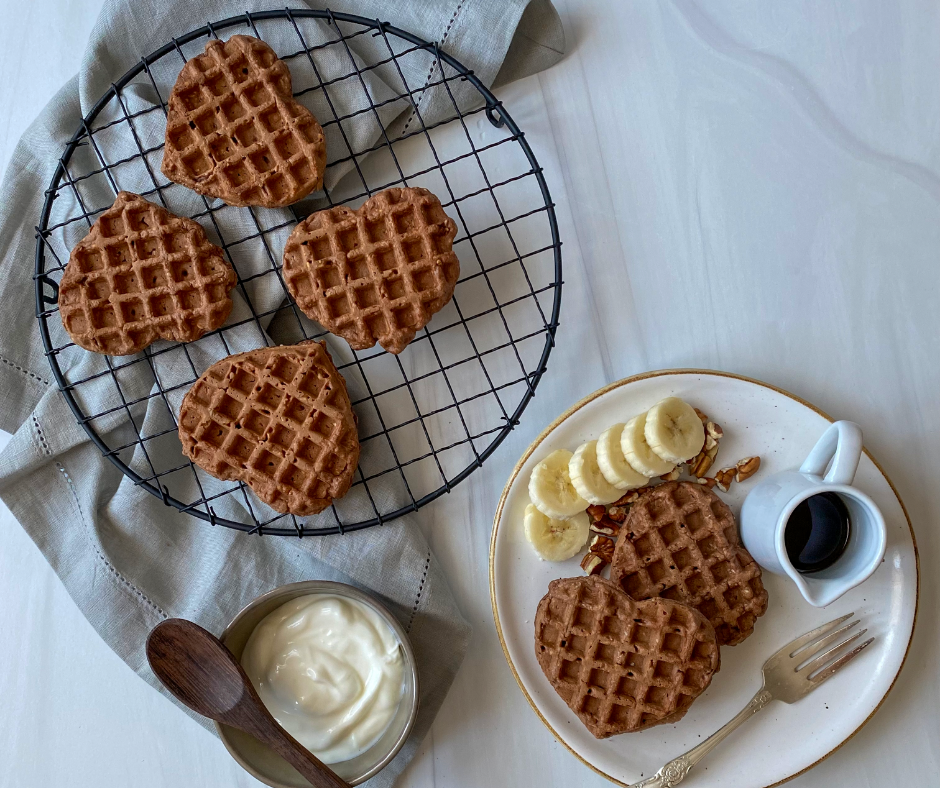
757,419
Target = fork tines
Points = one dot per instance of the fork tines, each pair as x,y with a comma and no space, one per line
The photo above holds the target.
814,653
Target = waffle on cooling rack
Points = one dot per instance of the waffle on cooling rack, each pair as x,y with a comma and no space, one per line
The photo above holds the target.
376,274
142,274
234,130
278,419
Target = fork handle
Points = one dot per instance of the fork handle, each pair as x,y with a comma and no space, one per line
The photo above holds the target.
675,771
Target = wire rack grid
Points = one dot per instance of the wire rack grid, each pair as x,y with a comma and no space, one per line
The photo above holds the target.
429,417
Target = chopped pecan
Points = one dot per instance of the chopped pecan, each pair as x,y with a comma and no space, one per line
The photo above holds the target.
746,468
606,527
714,431
707,481
604,547
596,512
593,564
698,466
701,415
617,513
724,478
672,475
627,498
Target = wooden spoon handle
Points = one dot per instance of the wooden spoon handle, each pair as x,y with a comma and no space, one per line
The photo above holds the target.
311,768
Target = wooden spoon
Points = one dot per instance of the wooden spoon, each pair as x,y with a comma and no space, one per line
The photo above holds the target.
203,674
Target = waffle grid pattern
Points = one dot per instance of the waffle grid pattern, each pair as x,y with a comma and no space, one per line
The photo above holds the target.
479,360
278,419
142,273
375,274
234,130
680,542
622,666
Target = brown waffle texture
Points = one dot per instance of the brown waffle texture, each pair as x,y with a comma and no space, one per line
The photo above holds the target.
619,664
680,542
376,274
143,274
234,130
278,419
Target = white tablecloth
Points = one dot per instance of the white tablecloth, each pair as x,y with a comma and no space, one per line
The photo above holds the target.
743,186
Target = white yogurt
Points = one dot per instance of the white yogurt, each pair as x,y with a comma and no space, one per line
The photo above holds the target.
330,670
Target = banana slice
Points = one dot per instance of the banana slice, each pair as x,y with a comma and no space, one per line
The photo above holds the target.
673,430
555,540
613,464
638,452
551,490
587,478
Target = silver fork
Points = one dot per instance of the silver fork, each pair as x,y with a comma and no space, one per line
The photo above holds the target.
788,676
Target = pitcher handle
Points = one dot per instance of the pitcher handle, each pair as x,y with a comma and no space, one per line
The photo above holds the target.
842,444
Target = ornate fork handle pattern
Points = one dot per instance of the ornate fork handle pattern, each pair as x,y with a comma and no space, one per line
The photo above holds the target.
675,771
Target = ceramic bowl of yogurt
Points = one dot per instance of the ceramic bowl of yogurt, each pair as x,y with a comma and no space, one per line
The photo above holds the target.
336,670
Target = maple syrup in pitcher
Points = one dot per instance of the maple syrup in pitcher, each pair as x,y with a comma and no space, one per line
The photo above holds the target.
817,532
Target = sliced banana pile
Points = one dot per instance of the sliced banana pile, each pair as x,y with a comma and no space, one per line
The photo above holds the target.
625,457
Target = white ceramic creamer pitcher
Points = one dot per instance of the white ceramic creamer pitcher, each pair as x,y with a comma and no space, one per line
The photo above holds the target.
767,509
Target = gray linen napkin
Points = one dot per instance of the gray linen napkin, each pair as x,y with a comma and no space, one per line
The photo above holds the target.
126,559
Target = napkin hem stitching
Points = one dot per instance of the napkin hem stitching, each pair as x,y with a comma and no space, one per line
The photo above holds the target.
42,438
24,371
450,24
424,577
111,568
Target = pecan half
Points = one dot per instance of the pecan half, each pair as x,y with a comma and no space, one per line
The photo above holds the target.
604,547
596,512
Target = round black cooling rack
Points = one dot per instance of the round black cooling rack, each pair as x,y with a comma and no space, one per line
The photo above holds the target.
396,110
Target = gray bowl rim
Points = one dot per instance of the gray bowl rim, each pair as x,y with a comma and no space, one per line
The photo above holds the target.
304,587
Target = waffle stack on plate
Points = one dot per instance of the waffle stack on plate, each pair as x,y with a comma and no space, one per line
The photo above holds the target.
680,542
619,664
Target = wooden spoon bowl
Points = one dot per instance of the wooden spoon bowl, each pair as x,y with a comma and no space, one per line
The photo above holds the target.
204,675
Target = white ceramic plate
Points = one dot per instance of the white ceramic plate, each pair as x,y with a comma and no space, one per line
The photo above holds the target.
783,740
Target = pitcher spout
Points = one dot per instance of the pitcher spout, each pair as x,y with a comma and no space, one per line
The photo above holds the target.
819,592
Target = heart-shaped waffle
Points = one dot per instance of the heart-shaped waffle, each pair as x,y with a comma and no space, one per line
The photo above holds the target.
278,419
680,542
142,274
375,274
619,664
235,131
